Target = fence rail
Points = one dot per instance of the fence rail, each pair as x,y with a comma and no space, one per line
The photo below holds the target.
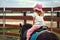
29,18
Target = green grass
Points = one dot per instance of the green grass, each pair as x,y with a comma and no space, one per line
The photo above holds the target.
10,30
8,38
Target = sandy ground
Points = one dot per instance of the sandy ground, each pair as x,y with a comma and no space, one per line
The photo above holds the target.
17,22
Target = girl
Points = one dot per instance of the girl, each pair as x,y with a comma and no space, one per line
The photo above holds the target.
38,20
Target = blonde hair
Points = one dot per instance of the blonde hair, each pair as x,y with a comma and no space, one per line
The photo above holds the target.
42,13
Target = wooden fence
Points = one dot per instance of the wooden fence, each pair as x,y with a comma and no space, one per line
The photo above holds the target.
27,18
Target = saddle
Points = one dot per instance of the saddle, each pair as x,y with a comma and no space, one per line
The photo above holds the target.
42,28
38,31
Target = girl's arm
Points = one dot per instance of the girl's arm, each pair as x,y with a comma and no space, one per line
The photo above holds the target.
42,13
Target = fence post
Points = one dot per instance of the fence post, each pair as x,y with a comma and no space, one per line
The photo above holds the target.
4,23
58,23
24,15
51,19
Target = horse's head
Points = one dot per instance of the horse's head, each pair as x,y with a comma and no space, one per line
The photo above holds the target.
25,26
23,30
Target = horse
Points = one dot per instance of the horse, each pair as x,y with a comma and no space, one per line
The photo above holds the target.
40,34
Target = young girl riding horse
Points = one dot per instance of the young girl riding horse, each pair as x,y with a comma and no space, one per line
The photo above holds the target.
40,34
38,20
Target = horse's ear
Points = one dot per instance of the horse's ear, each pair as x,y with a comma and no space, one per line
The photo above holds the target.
20,25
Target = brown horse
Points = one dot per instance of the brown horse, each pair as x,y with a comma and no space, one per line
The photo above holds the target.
40,34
